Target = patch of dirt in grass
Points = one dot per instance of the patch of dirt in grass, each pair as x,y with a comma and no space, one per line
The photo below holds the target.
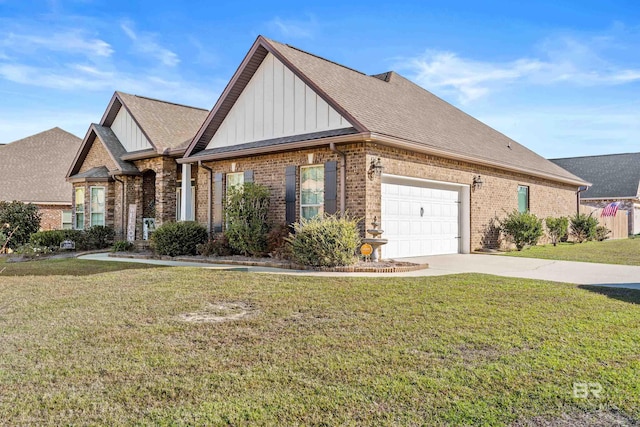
585,419
220,312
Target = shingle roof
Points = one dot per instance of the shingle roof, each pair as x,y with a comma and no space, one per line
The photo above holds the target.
389,105
101,172
612,175
33,169
167,125
114,147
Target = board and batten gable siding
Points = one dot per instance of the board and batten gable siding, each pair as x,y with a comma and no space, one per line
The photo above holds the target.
128,132
275,103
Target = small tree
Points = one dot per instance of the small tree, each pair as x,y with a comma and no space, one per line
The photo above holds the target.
583,227
557,228
523,228
247,225
22,218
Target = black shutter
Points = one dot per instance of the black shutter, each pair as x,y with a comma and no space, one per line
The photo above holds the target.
248,176
331,187
290,194
217,202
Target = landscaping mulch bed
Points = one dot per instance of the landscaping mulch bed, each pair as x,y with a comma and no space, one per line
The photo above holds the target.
385,266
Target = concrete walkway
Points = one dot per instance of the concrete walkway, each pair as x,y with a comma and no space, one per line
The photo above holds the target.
581,273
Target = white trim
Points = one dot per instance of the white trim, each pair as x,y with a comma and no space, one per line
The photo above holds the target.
391,179
321,205
186,211
104,212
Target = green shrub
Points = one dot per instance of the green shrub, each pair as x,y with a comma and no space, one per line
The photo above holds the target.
23,219
122,246
178,238
523,228
583,227
79,237
49,238
325,241
602,233
277,241
99,237
557,228
247,226
217,246
33,251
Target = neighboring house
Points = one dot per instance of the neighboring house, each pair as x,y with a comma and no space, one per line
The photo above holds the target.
33,169
125,170
614,178
325,138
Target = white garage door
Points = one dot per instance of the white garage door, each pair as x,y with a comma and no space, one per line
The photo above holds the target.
420,219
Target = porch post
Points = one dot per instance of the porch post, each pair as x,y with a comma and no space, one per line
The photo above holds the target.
185,202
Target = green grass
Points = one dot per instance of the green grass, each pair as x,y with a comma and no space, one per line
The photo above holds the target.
623,251
110,349
68,266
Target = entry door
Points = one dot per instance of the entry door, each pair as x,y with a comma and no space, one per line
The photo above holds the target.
420,220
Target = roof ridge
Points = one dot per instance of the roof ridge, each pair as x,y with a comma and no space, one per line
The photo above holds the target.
163,101
594,155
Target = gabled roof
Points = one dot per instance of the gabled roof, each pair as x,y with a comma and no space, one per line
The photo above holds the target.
386,108
33,169
113,146
166,125
612,175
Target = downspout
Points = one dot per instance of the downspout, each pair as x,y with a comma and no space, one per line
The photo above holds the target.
209,194
343,177
124,206
580,190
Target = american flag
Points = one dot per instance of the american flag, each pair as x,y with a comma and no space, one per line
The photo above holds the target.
610,209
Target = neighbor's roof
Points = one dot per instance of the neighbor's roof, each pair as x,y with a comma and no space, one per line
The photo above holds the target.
387,106
612,175
168,126
33,169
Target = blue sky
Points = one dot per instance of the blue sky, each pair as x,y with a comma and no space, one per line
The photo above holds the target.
561,77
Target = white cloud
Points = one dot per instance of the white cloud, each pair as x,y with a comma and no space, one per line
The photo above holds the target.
72,41
565,61
294,28
145,43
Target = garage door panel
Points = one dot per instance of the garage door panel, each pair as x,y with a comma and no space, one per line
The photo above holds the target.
419,220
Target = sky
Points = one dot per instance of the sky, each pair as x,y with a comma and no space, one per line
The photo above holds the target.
560,77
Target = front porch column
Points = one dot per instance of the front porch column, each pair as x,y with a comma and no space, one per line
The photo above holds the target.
185,201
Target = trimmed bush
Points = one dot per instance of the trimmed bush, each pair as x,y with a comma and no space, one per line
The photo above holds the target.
49,238
24,218
522,228
328,241
218,246
122,246
602,233
557,228
583,227
247,225
178,238
100,237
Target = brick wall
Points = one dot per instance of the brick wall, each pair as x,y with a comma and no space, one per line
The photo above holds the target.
97,156
51,216
497,197
110,210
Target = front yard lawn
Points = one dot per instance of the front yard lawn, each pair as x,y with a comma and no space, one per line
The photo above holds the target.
65,266
134,347
623,251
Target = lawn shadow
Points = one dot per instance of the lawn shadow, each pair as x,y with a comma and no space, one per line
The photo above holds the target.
622,294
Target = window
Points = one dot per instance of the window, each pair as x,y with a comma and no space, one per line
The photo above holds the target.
80,208
179,199
97,206
67,220
311,191
234,179
523,198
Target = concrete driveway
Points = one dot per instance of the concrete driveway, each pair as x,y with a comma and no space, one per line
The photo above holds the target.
581,273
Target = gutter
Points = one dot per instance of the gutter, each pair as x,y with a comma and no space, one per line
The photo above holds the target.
343,177
209,195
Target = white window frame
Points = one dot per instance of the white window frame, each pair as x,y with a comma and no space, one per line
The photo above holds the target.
79,224
238,184
318,205
179,198
104,210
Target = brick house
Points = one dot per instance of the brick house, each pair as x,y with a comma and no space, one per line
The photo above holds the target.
33,169
125,171
326,138
614,178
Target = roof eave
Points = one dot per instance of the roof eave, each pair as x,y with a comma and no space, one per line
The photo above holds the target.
89,179
140,155
611,198
421,148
